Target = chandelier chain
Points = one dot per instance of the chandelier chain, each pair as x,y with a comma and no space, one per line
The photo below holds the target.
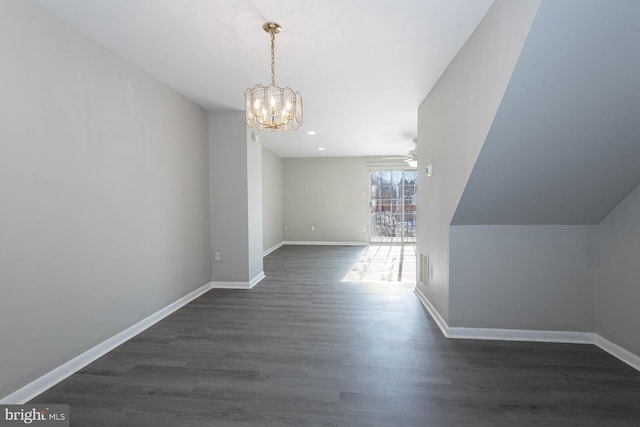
273,57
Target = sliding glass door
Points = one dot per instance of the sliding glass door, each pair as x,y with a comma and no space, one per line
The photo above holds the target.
393,206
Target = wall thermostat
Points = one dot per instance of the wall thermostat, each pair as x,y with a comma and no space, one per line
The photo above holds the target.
428,170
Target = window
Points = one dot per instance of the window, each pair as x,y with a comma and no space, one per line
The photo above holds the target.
393,206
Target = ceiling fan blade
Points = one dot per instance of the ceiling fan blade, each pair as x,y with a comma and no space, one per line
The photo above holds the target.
395,158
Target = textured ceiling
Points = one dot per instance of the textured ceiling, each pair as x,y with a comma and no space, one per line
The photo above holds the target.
362,67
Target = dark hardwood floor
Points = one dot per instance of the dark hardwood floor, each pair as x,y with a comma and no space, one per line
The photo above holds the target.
304,348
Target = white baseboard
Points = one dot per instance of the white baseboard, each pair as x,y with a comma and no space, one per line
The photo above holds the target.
323,243
614,349
239,285
521,335
570,337
311,243
272,248
65,370
444,328
256,279
231,285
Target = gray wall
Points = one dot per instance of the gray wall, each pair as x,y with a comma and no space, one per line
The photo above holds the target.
236,198
539,277
618,275
254,204
229,202
331,193
453,122
272,199
564,147
103,193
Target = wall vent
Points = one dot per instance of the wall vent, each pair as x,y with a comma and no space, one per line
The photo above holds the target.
423,273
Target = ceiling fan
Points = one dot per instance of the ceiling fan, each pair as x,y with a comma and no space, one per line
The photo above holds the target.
411,158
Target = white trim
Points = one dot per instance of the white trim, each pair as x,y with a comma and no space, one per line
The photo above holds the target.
239,285
528,335
272,248
231,285
256,279
444,328
48,380
323,243
615,350
311,243
521,335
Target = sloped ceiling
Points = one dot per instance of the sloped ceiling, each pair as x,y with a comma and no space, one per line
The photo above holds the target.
564,147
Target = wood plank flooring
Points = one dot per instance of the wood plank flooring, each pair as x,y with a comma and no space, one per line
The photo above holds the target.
304,348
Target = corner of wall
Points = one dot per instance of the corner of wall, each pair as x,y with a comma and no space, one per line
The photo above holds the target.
617,286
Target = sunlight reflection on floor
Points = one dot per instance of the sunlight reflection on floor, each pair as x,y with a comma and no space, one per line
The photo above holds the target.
385,264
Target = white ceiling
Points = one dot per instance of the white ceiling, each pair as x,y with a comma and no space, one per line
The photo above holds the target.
362,67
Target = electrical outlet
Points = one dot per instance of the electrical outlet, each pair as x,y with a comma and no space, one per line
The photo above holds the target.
313,228
430,271
364,229
286,228
217,256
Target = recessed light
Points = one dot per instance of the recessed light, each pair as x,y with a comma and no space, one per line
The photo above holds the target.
311,132
321,149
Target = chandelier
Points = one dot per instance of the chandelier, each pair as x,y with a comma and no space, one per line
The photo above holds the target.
273,107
